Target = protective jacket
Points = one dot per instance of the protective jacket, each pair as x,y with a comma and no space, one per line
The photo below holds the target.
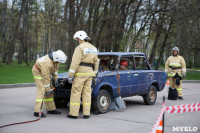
175,64
87,54
47,69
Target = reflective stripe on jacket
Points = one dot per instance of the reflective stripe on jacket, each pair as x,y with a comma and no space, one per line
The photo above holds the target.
175,61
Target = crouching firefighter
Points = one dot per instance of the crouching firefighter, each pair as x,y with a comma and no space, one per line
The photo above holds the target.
83,68
176,69
44,68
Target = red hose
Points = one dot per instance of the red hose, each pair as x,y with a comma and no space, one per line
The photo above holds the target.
20,123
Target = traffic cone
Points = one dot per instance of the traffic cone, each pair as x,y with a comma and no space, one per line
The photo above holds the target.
167,82
160,127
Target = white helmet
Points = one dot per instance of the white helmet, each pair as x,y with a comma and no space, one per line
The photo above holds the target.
80,34
175,49
59,56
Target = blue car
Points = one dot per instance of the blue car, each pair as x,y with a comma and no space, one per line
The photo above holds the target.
137,79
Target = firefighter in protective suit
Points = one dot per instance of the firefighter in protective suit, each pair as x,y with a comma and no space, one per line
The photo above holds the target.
175,65
44,68
83,68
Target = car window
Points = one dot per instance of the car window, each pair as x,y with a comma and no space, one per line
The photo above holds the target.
107,63
141,63
129,61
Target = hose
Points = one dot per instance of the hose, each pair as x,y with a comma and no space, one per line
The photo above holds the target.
24,122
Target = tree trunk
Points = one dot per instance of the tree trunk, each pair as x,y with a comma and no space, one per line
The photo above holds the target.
72,24
164,45
12,45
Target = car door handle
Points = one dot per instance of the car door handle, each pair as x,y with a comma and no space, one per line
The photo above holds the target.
135,74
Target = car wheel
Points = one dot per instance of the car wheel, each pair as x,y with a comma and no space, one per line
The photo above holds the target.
102,102
151,96
61,102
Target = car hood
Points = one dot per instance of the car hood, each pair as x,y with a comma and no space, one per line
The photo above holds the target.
100,74
63,75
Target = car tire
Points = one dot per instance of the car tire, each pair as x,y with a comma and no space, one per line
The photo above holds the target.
102,102
61,102
151,96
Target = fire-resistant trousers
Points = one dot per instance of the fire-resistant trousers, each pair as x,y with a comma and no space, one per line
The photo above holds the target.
48,100
81,85
172,84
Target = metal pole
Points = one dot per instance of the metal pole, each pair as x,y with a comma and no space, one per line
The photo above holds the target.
163,118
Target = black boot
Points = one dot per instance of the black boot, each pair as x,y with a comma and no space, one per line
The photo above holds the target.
86,116
181,98
53,112
72,117
37,114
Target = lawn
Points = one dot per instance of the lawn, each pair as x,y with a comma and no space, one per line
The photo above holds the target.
22,74
18,73
192,76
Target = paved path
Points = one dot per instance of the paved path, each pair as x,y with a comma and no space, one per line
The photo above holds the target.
16,104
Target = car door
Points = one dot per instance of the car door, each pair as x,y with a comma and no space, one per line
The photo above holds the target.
142,69
134,82
124,80
125,77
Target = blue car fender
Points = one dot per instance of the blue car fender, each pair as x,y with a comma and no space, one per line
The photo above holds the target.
101,84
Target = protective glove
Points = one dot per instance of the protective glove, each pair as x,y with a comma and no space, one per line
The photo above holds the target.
178,81
70,80
183,74
55,82
49,92
93,80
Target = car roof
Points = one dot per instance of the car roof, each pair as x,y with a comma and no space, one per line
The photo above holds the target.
121,53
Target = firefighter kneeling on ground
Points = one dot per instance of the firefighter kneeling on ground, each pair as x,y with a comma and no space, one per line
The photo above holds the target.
42,71
83,68
176,69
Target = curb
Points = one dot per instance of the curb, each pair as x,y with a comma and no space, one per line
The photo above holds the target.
4,86
191,81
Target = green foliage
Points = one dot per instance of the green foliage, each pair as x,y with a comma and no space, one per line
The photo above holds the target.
189,64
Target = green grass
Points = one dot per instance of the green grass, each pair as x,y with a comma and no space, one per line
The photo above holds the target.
16,73
192,76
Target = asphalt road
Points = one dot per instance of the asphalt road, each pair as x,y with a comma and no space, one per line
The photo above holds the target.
16,105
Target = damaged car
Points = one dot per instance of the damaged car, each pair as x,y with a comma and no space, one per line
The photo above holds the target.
138,79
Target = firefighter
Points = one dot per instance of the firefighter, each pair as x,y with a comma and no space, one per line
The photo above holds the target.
123,65
175,65
42,71
83,68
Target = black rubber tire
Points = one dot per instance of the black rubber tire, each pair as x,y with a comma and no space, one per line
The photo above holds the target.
61,102
102,102
151,96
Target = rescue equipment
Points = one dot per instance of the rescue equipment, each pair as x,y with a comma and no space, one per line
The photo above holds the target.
118,104
172,94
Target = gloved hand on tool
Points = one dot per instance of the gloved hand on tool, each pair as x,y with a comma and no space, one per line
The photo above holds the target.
70,80
55,82
49,92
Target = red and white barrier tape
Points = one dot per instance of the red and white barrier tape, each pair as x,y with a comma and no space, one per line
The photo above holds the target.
155,127
194,107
